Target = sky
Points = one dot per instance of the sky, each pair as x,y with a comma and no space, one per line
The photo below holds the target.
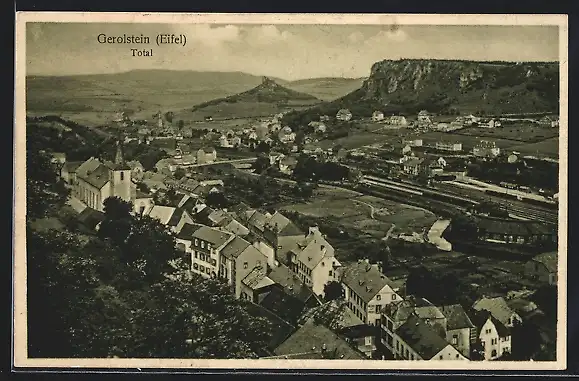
284,51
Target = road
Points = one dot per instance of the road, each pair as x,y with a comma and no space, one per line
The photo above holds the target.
248,160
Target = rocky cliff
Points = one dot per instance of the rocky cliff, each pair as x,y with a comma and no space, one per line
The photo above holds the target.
458,86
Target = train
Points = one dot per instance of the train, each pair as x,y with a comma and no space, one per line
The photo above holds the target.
547,204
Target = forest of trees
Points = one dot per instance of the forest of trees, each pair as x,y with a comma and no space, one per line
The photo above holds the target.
115,294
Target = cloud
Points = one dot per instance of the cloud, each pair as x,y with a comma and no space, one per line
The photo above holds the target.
265,35
206,34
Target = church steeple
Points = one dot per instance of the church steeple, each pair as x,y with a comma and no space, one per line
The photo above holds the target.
119,159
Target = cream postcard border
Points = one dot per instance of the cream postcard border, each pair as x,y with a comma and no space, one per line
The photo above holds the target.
19,270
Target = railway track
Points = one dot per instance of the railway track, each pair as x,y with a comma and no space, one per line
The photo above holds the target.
452,198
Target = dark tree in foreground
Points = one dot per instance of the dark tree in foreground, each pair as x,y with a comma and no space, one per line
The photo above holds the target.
45,192
332,291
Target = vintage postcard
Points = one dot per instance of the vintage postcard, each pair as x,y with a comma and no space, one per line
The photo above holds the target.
284,191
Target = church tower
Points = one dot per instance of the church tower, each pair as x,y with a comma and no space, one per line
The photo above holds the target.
121,176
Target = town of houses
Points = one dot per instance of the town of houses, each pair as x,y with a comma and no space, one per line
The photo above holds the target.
268,260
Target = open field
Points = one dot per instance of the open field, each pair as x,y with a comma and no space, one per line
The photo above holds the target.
528,133
370,214
548,148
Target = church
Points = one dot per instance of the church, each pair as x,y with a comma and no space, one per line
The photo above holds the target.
94,181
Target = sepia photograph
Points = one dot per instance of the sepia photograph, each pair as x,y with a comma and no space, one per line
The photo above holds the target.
284,191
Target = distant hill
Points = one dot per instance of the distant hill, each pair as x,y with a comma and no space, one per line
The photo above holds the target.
267,98
136,90
326,89
450,87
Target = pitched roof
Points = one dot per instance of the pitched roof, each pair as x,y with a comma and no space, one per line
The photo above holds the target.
91,217
176,217
309,340
72,166
364,279
89,165
480,318
187,231
548,259
234,248
498,307
236,228
162,213
316,250
277,221
456,317
258,220
257,278
214,236
290,283
97,177
421,337
290,230
360,330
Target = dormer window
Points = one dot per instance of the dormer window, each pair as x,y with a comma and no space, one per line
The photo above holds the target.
203,244
196,242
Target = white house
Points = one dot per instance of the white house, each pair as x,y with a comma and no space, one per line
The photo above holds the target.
499,309
367,290
377,116
494,336
314,262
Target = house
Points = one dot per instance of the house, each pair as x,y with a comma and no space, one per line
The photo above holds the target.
442,126
171,217
344,115
486,149
543,267
154,181
514,232
256,284
367,290
286,135
95,181
431,167
423,118
137,170
412,142
406,150
315,341
499,309
412,166
363,337
377,116
166,166
282,234
448,146
287,165
224,142
206,155
205,245
58,158
398,120
469,120
142,201
494,336
314,261
187,132
237,259
288,297
417,339
460,330
68,172
324,118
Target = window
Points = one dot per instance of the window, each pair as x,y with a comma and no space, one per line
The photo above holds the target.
440,357
397,346
330,273
407,353
195,266
245,265
203,244
207,270
507,338
454,339
378,297
196,242
122,176
393,296
494,353
258,263
196,254
412,357
510,321
457,355
494,341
